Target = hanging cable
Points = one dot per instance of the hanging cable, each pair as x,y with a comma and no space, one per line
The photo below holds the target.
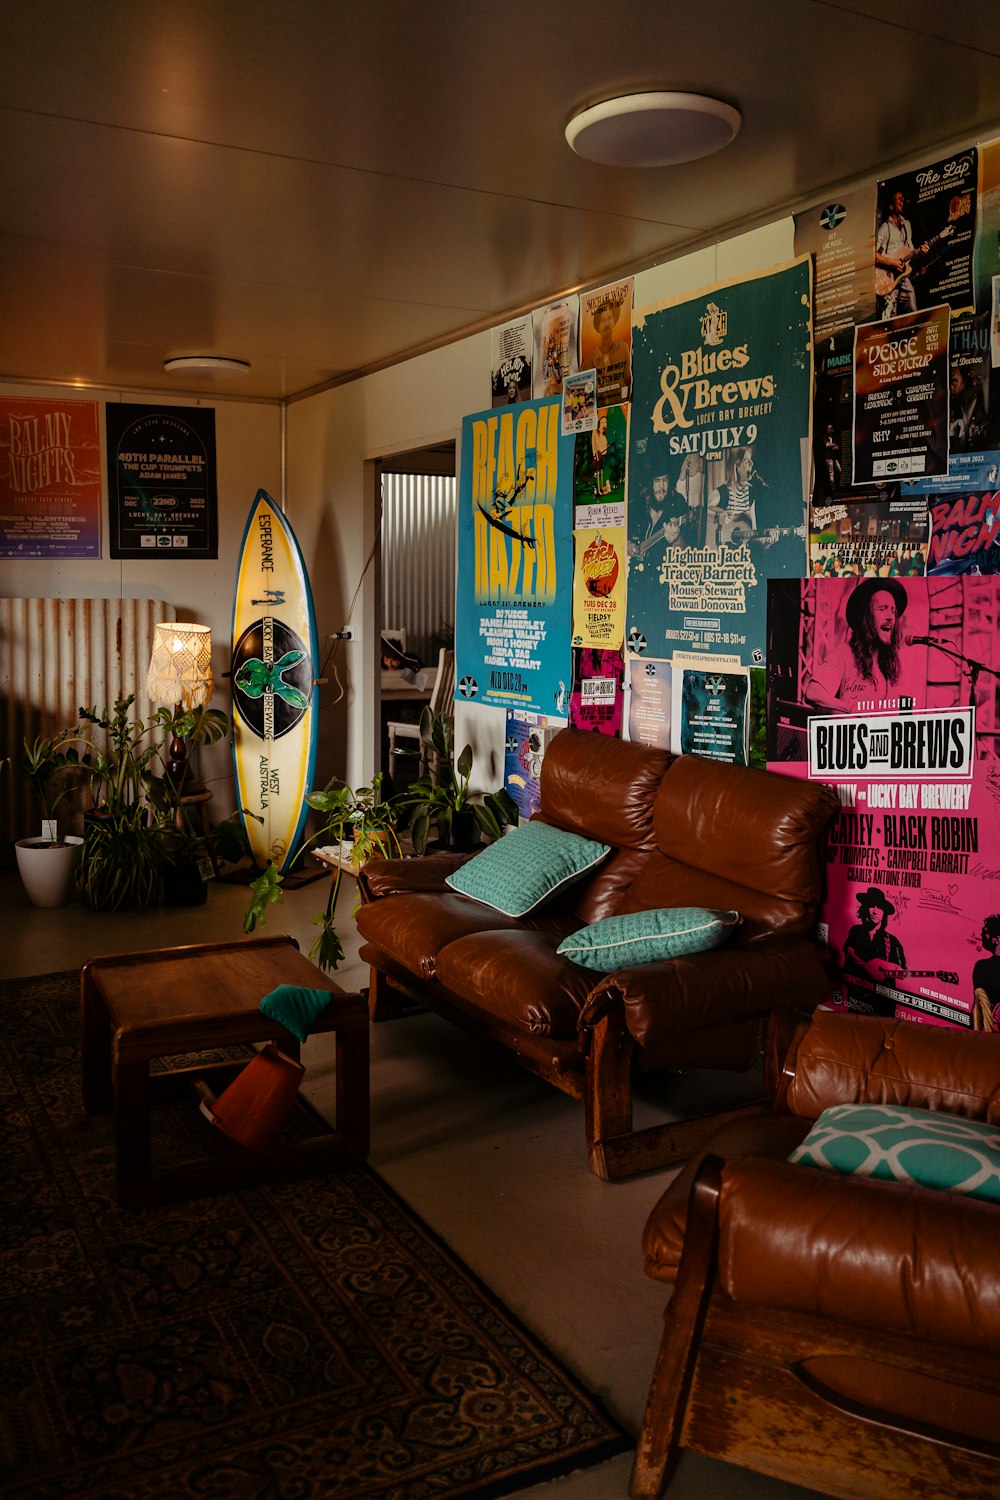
336,641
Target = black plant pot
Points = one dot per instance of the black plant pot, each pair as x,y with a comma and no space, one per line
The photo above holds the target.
464,831
183,886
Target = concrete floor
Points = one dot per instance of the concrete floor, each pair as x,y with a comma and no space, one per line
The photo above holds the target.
490,1157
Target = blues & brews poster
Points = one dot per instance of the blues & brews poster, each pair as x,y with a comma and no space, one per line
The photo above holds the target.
887,689
718,462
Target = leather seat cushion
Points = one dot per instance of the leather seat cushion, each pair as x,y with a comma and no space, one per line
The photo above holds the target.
520,977
414,928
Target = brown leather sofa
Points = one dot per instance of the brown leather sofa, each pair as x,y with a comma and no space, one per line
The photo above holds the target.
837,1332
684,831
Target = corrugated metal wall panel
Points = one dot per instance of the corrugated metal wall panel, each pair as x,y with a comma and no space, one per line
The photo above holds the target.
418,557
56,656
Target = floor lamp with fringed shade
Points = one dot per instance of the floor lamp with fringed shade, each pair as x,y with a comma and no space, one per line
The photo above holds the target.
180,676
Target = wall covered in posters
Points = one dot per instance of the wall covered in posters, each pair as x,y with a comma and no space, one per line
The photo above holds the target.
850,541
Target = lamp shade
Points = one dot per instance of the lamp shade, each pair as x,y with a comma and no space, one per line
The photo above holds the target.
180,668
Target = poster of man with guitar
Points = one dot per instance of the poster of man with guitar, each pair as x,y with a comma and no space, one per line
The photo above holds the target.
874,956
871,951
924,238
667,524
895,257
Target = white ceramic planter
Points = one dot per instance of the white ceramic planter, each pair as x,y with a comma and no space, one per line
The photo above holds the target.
47,870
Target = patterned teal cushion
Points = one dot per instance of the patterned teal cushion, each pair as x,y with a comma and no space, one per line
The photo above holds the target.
643,937
906,1145
526,867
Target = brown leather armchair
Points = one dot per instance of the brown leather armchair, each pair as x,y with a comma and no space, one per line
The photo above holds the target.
838,1332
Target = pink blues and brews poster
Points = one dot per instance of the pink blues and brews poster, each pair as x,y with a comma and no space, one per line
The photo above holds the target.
888,689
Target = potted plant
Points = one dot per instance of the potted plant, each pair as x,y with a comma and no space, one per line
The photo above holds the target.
51,764
445,799
360,821
121,864
185,850
133,828
190,849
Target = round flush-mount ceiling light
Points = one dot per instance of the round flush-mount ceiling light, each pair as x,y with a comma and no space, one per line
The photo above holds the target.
207,364
652,130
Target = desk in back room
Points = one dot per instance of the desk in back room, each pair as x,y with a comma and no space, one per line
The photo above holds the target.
403,701
395,688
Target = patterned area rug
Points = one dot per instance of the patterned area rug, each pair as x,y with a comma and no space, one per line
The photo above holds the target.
302,1342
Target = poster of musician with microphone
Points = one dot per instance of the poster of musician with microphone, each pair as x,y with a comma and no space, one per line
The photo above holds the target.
888,689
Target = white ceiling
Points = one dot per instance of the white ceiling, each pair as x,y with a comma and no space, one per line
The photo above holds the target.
321,187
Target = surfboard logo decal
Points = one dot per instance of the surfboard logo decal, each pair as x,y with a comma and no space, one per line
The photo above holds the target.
272,677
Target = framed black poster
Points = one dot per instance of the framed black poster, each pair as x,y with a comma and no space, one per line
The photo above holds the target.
162,481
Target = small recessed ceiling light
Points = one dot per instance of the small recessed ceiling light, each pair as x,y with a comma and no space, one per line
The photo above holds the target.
208,364
652,130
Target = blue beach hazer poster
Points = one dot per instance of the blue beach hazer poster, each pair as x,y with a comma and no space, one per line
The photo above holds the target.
515,559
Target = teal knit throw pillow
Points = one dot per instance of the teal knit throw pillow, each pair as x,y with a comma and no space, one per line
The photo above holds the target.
897,1144
645,937
295,1007
526,868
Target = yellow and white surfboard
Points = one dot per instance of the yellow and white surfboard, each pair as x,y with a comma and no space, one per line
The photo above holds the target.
274,694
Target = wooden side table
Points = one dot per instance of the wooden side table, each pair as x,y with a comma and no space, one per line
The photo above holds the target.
172,1001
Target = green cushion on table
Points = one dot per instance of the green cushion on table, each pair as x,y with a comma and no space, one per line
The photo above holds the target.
646,937
898,1144
295,1007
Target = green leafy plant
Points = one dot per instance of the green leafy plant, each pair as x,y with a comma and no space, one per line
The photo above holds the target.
361,817
443,796
121,867
121,775
183,843
443,638
137,821
52,766
437,738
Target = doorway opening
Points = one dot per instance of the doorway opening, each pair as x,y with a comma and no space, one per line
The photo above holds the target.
417,595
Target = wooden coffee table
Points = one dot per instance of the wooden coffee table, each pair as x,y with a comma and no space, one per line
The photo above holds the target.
175,1001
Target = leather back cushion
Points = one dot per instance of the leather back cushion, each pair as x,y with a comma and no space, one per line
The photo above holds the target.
740,830
663,882
846,1059
602,788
